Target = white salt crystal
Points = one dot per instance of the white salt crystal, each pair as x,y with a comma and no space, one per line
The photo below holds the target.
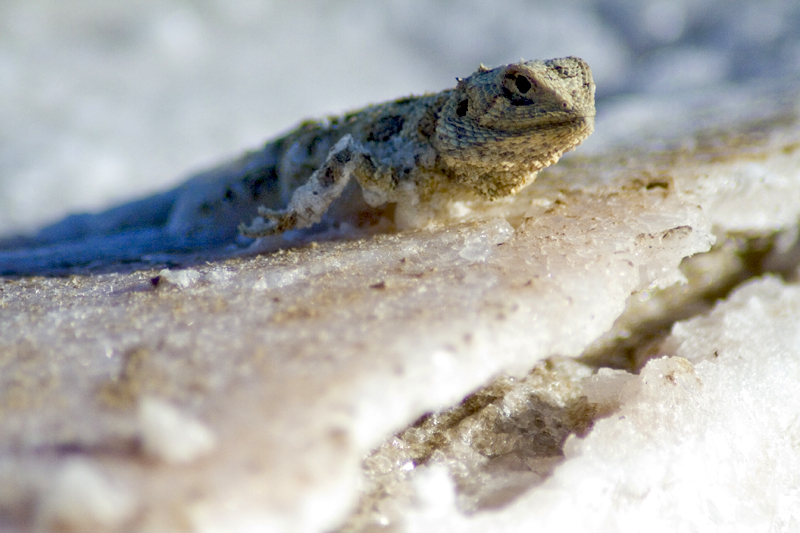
180,278
83,498
478,246
704,439
277,278
171,435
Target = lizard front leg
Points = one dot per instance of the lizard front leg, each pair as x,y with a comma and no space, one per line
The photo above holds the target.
311,200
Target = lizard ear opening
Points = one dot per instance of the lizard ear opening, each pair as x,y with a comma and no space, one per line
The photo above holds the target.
462,107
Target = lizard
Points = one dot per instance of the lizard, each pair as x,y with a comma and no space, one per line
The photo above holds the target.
482,140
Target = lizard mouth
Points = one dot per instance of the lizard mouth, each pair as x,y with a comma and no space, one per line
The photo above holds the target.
574,123
556,123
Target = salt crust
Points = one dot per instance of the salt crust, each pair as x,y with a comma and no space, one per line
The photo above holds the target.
705,438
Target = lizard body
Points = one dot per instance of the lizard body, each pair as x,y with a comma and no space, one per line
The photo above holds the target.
482,140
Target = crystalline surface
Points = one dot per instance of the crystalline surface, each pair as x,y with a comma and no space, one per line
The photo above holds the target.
312,354
705,437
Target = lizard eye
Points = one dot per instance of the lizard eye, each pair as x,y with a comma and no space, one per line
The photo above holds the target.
463,106
523,84
515,87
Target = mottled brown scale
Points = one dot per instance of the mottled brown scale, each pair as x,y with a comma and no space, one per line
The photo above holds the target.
486,138
412,159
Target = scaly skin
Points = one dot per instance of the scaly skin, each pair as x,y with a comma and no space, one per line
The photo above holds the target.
482,140
487,137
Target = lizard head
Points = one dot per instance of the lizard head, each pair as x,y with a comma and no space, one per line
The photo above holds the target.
500,126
